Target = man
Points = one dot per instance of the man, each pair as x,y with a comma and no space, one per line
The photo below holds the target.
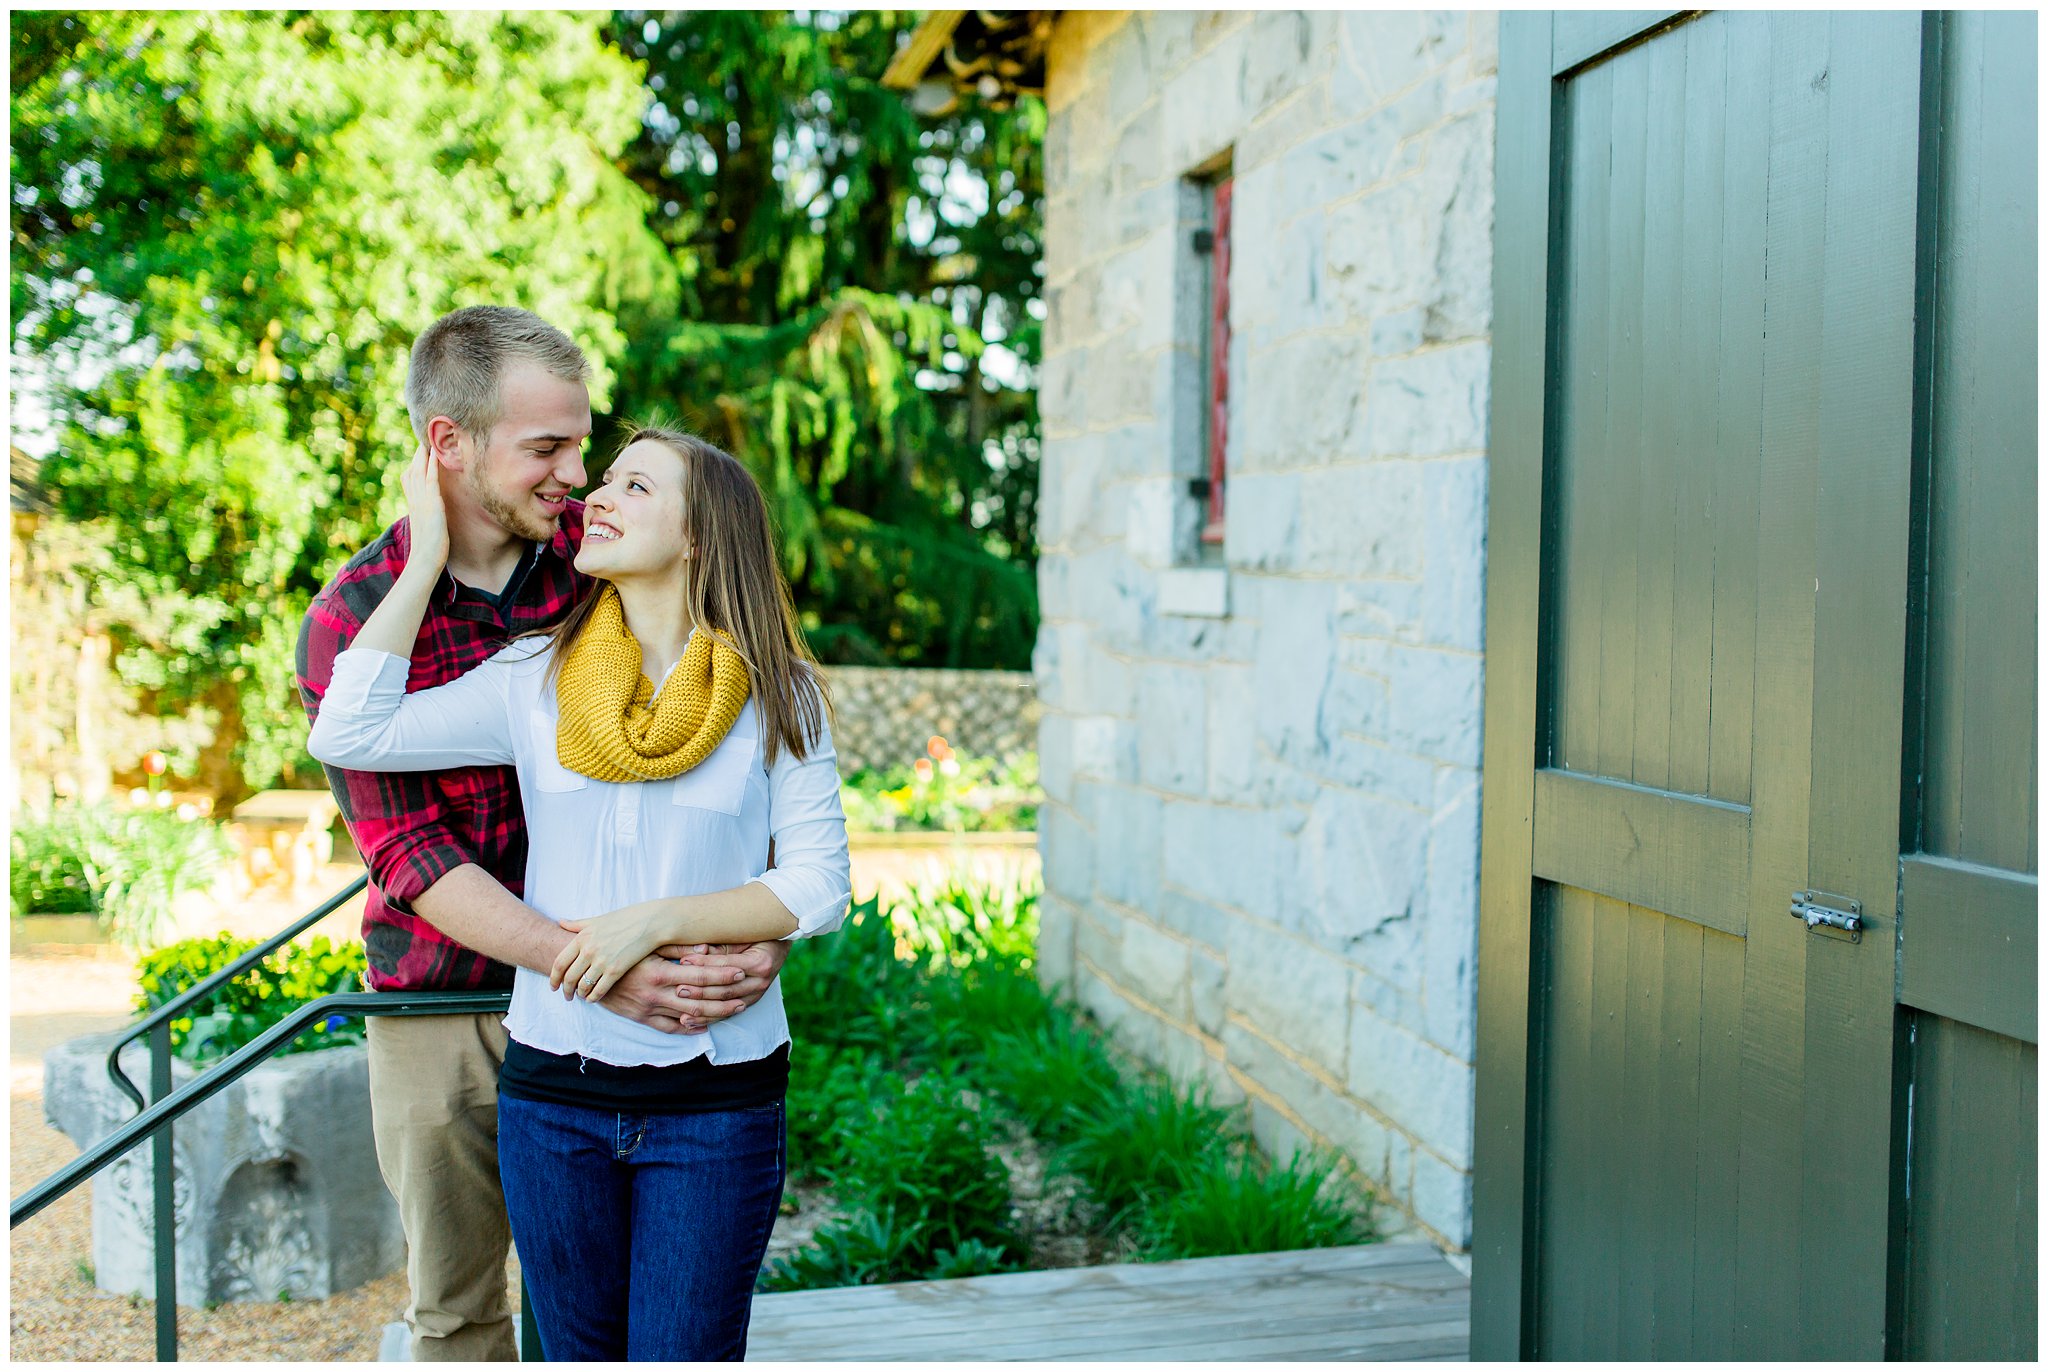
497,396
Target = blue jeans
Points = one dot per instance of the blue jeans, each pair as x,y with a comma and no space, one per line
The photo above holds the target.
640,1236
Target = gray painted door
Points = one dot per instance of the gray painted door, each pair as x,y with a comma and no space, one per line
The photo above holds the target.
1967,1198
1692,1106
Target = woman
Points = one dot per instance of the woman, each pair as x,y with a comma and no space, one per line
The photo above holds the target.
642,1170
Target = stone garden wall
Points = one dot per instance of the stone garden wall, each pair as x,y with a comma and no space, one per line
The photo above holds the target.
1262,843
886,715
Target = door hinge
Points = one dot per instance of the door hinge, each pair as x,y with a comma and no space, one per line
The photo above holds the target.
1836,916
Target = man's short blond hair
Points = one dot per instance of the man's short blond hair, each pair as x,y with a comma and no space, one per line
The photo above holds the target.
457,361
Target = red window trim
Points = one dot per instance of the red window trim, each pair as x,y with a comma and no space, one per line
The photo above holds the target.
1218,396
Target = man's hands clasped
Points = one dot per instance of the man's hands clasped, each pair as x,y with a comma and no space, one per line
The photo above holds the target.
686,988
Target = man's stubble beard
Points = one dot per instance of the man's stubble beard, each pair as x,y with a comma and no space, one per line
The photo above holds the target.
506,515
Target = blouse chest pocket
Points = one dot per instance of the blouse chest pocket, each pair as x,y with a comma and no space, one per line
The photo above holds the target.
548,772
719,782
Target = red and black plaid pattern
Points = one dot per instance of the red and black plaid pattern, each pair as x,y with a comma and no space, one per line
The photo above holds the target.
415,827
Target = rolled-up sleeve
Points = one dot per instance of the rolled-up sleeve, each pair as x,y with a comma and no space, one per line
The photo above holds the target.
813,873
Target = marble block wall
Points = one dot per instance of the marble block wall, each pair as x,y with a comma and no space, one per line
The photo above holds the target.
1262,838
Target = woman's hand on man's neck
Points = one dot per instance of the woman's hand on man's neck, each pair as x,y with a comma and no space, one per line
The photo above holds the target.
482,553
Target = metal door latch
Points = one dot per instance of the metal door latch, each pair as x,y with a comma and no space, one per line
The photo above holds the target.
1821,910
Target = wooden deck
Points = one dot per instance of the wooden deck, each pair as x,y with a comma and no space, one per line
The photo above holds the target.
1398,1301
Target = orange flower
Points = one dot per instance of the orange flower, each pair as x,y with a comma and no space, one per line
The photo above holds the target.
155,763
938,747
923,768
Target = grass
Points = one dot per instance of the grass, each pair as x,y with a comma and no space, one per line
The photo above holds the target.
1243,1204
1148,1144
924,1037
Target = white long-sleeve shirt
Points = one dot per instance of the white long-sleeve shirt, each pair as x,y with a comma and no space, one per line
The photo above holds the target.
594,846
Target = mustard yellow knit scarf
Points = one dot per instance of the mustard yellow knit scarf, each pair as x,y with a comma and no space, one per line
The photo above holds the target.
614,728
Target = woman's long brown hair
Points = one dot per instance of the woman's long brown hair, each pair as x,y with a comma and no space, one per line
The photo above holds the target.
734,588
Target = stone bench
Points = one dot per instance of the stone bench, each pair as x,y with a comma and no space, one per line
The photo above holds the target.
275,1187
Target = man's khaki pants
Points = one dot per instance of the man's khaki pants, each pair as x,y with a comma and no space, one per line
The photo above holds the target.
434,1108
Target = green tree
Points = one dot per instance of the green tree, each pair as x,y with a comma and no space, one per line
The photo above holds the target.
228,229
857,320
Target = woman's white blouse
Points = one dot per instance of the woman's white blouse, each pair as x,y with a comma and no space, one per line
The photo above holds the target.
594,846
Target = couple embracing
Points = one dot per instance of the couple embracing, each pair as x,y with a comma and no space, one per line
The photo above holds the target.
585,753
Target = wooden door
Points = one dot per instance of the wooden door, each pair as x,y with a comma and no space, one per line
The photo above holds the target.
1966,1201
1711,239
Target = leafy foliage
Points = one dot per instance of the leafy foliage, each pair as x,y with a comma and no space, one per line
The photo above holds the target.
857,320
919,1168
829,1088
1146,1144
940,1036
229,226
1243,1204
1056,1076
126,866
974,795
237,1012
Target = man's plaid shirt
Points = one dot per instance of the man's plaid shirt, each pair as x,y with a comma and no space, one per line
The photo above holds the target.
415,827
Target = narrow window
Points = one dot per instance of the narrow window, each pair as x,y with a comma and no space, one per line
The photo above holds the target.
1212,243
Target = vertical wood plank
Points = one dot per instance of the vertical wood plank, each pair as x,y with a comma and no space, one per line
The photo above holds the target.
1608,1105
1994,453
1716,1206
1861,526
1645,1226
1586,360
1567,1140
1974,1196
1769,1270
1520,430
1704,93
1738,409
1678,1153
1958,305
1661,463
1620,535
2023,1237
1617,540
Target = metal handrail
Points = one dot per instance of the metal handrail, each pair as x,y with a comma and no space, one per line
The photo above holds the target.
154,1121
237,1065
170,1010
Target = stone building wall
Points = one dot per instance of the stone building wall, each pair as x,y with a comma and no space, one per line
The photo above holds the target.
887,715
1262,841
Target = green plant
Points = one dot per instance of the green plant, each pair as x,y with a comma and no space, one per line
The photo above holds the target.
828,1087
960,921
87,1273
926,1152
1243,1204
127,866
934,1034
237,1012
1056,1076
854,1250
949,793
971,1259
1146,1144
925,1188
852,991
986,1004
